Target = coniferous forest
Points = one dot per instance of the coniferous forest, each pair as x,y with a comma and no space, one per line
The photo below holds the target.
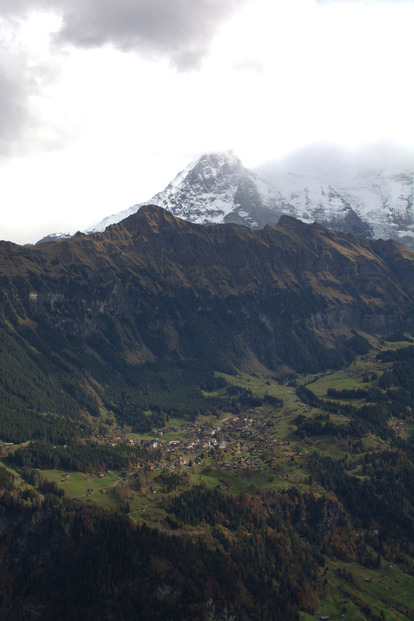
207,423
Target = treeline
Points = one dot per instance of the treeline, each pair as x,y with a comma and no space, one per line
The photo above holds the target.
240,399
68,560
401,375
18,427
170,481
306,354
397,336
400,354
6,479
383,500
318,525
37,379
164,389
395,399
198,505
319,427
347,393
358,344
275,537
37,399
86,456
42,374
291,532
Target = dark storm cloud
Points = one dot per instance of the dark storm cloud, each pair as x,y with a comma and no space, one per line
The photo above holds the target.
16,86
180,30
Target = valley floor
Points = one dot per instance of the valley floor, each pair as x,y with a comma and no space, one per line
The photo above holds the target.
294,442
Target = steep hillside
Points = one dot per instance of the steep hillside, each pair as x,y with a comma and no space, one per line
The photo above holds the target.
216,189
162,456
103,316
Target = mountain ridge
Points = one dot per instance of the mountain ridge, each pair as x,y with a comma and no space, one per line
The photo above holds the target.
294,272
124,356
217,188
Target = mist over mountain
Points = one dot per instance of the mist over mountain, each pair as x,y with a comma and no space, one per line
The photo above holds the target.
377,182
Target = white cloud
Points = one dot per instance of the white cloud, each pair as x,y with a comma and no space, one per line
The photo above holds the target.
180,30
102,108
337,165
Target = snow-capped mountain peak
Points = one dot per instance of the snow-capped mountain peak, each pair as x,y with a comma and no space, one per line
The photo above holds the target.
217,188
54,237
385,199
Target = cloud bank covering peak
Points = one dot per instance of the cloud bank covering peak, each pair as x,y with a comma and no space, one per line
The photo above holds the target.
103,101
180,31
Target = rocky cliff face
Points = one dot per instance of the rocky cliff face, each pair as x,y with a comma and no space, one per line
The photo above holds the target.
240,288
215,189
139,316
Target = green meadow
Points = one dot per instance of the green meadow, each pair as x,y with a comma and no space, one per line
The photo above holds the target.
355,592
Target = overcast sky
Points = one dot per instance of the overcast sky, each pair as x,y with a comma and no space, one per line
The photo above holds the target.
104,101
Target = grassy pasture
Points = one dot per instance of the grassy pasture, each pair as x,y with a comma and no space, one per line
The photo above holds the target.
78,483
259,385
352,376
340,380
229,481
387,589
278,472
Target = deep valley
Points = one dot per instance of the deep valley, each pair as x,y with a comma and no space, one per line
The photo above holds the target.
207,423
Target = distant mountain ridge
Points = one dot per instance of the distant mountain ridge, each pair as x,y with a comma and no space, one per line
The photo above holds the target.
217,188
54,237
385,199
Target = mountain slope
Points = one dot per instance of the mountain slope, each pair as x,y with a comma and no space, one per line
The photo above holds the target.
385,199
216,188
155,242
94,312
282,506
313,200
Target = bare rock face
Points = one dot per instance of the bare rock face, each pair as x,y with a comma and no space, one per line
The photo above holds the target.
154,280
144,312
217,189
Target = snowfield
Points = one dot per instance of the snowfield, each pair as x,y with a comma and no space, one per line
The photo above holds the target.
217,188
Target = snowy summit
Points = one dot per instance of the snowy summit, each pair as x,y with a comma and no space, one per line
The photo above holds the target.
217,188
